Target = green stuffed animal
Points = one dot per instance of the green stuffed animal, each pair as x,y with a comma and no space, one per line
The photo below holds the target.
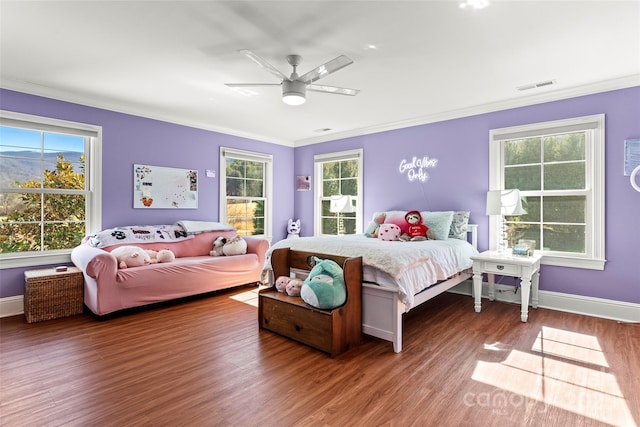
324,287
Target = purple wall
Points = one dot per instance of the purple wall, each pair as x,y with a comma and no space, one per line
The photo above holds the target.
129,139
461,180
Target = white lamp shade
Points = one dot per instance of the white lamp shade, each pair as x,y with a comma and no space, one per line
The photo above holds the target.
504,202
341,204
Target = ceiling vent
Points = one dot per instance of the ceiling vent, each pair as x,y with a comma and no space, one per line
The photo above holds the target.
536,85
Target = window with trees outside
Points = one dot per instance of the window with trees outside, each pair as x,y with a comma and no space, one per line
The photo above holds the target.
245,191
559,169
49,188
338,174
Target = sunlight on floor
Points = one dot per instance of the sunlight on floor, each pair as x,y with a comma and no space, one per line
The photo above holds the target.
565,369
249,297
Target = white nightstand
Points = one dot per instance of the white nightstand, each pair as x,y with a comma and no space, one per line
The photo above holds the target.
527,268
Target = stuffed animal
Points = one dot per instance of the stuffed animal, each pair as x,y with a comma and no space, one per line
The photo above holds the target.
217,246
131,256
389,232
417,230
289,285
235,246
165,255
324,287
374,227
293,228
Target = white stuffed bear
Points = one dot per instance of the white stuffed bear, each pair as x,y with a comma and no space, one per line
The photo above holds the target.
235,246
131,256
293,228
165,255
217,246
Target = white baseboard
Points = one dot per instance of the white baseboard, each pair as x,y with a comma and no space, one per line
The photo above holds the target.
587,306
11,306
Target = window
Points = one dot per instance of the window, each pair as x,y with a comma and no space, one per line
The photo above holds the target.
245,191
49,188
559,169
338,174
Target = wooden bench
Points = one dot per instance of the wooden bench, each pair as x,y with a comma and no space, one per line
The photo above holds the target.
332,331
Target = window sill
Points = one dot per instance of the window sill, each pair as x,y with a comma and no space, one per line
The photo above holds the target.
574,262
31,260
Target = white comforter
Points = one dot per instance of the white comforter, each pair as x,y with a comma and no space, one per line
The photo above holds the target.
408,266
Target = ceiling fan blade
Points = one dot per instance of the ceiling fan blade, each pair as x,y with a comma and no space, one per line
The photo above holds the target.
333,89
264,64
326,69
251,84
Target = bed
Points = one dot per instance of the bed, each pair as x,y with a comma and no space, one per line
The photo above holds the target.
398,276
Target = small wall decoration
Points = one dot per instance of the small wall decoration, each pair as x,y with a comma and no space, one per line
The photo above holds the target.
157,187
303,183
631,155
416,168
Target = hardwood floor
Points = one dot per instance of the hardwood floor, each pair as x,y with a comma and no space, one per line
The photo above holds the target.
206,363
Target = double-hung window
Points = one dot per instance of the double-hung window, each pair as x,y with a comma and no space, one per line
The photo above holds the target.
49,188
246,191
559,169
338,174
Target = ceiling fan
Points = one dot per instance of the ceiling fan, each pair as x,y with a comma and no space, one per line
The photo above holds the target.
294,87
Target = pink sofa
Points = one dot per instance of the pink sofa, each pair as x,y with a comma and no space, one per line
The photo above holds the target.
108,289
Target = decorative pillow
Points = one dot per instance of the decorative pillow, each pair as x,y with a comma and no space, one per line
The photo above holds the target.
397,218
459,224
389,232
439,224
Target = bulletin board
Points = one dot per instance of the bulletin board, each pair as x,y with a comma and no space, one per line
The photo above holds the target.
157,187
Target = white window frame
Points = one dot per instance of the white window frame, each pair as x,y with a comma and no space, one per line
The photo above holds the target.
267,159
318,161
93,181
594,257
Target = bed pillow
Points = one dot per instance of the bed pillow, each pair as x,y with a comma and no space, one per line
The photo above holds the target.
459,225
439,224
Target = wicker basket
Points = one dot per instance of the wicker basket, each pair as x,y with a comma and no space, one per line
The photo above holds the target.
50,294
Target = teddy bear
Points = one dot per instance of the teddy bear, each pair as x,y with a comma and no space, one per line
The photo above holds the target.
293,228
324,287
131,256
417,230
163,255
218,244
235,246
289,285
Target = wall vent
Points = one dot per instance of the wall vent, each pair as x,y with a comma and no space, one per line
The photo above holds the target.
536,85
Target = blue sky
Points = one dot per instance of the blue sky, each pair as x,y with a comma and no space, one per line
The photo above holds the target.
14,139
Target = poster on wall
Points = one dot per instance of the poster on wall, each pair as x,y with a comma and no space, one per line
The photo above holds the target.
303,183
157,187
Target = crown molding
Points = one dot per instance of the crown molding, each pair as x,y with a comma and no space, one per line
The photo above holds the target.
507,104
547,96
47,92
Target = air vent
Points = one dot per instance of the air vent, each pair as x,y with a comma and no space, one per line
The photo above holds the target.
536,85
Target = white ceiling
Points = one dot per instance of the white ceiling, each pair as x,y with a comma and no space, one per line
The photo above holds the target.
432,60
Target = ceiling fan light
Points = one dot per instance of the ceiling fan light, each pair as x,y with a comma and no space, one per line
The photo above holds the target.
293,92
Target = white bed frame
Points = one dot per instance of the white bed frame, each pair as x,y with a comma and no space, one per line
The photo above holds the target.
382,308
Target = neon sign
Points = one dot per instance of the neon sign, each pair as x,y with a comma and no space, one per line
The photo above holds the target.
416,168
